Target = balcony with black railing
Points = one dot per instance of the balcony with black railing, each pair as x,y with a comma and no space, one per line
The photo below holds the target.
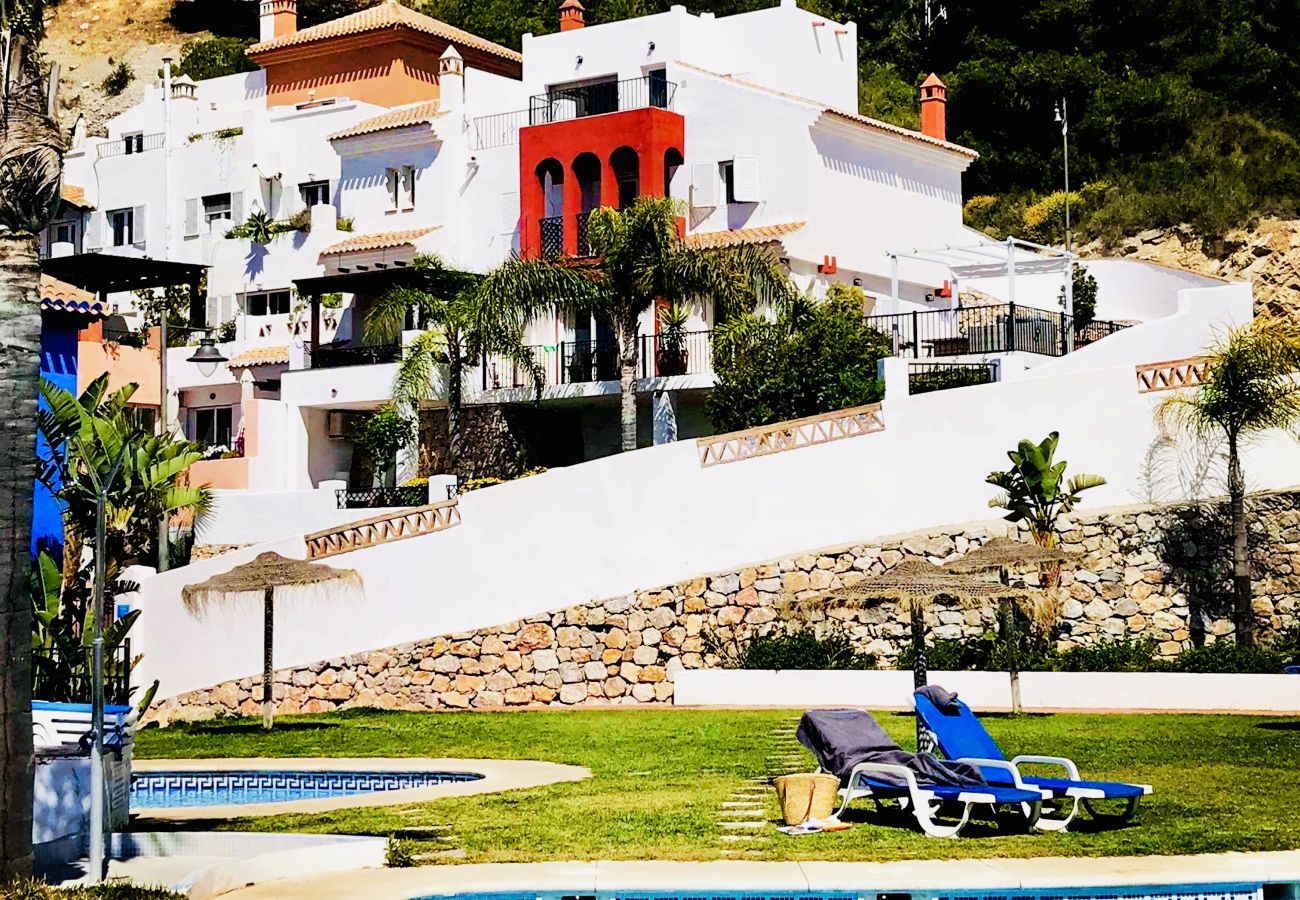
552,234
582,362
336,357
999,328
601,98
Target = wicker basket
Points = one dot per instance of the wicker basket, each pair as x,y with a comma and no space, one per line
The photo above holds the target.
806,796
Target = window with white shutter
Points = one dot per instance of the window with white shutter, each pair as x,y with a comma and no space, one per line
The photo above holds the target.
391,177
138,234
408,187
509,212
94,232
704,184
237,206
744,180
192,217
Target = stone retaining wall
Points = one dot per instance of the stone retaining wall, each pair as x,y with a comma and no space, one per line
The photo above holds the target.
1157,572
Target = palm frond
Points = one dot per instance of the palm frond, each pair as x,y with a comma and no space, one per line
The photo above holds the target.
418,369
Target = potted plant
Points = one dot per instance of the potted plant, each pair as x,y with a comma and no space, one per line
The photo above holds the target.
671,356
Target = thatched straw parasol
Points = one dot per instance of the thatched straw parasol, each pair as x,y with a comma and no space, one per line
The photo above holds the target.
1007,553
266,577
1003,555
914,584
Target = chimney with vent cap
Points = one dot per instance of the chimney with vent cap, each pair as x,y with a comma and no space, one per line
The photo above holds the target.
278,18
571,15
934,108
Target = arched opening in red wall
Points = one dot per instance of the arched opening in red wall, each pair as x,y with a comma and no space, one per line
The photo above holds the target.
672,162
550,181
627,174
586,171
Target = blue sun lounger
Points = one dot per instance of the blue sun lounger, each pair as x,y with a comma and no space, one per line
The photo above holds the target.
924,800
962,737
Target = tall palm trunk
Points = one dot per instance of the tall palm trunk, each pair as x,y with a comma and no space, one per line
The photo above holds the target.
1011,641
920,677
628,359
1244,614
455,380
268,671
20,338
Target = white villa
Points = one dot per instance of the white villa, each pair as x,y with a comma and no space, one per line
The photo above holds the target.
386,134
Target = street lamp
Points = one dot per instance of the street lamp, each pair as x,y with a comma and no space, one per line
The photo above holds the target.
1063,117
207,356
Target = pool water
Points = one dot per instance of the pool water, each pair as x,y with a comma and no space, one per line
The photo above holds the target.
171,790
1159,892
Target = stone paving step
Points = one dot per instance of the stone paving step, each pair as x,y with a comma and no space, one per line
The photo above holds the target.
741,804
743,825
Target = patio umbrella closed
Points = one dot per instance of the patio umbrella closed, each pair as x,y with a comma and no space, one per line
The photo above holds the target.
1003,555
266,577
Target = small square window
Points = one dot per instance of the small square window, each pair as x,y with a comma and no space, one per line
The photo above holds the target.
216,206
267,303
314,193
65,233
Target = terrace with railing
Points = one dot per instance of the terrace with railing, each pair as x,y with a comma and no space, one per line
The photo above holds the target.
585,362
999,328
599,98
327,357
135,143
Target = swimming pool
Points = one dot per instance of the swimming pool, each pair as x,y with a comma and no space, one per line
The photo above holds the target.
1230,891
173,790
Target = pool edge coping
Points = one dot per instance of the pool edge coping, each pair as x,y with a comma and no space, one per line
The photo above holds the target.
497,775
1025,873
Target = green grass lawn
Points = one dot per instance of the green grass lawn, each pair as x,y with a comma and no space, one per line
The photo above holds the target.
660,777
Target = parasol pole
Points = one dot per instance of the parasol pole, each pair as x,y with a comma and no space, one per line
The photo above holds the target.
268,629
96,851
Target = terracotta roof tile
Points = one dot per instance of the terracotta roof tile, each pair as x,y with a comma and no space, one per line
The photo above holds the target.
855,118
389,14
402,117
75,195
260,356
760,234
380,241
57,294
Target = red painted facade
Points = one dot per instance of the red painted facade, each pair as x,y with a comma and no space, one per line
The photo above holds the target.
652,133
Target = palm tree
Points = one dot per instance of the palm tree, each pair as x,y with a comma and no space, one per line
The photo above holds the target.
637,259
31,154
1248,388
1034,491
458,329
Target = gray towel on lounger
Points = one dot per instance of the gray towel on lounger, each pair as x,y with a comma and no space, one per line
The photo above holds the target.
842,738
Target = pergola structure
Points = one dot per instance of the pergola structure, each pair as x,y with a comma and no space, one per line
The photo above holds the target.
991,259
366,281
106,273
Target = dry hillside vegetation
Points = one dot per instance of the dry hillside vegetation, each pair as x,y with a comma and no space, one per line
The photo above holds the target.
89,38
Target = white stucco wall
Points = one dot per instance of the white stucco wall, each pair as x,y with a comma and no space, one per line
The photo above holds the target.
513,554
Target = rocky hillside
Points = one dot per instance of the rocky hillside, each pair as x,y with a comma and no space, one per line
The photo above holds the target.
91,38
1267,255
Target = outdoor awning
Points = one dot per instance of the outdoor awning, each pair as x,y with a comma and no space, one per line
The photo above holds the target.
369,282
107,273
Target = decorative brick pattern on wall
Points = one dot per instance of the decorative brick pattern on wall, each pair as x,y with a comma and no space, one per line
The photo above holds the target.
1158,572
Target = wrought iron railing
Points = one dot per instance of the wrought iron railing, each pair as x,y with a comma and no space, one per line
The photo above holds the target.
65,678
358,355
584,242
552,233
922,378
376,498
583,361
691,354
136,143
500,130
563,104
999,328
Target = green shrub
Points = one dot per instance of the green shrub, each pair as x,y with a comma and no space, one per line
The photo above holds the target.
398,854
1044,220
784,645
214,57
118,80
1225,656
952,376
996,216
1123,655
816,358
33,889
225,332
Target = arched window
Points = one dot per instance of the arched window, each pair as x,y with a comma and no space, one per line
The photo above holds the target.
550,178
627,172
672,162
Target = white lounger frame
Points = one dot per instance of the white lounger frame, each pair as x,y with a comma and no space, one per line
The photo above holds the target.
1075,794
924,802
